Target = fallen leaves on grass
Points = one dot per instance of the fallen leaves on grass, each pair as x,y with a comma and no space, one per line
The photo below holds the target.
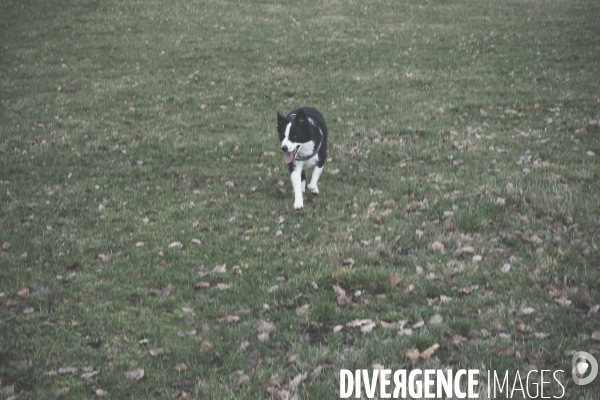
89,372
302,310
414,354
180,367
241,379
526,310
230,319
136,374
111,353
67,370
157,352
394,279
265,326
437,247
164,292
62,391
468,289
348,262
177,245
464,250
343,300
103,259
263,337
24,294
366,325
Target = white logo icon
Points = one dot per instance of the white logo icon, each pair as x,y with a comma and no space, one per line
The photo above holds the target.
580,364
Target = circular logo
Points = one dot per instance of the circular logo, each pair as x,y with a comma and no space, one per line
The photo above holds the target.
580,367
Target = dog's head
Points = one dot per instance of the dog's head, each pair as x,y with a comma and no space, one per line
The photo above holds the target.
293,134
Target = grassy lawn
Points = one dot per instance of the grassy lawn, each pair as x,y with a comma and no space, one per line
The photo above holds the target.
150,245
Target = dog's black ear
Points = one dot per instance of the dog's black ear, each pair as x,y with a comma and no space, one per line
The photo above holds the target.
282,122
302,120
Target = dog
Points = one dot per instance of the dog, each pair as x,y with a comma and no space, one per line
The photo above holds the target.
303,136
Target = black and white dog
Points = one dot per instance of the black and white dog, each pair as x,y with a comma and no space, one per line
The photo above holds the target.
303,136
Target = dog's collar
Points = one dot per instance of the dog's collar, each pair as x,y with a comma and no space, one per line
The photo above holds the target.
305,158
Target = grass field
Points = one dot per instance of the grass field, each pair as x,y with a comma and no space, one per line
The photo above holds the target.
147,215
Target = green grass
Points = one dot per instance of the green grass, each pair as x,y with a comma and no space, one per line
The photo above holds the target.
126,122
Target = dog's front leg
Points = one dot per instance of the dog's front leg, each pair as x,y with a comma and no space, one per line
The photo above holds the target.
312,186
296,177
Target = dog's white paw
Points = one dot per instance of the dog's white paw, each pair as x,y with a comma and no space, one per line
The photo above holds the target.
298,205
313,189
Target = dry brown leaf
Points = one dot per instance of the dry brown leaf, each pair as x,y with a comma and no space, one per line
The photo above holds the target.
202,285
111,353
177,245
180,367
242,378
165,292
343,300
418,324
263,337
385,324
24,293
394,279
368,327
62,391
303,310
436,320
348,262
223,286
230,319
265,326
358,322
157,352
437,247
526,310
136,374
207,345
297,380
413,354
427,353
220,269
88,373
468,289
67,370
445,299
102,259
464,250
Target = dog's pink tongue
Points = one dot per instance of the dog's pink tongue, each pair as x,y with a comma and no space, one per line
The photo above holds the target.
289,157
